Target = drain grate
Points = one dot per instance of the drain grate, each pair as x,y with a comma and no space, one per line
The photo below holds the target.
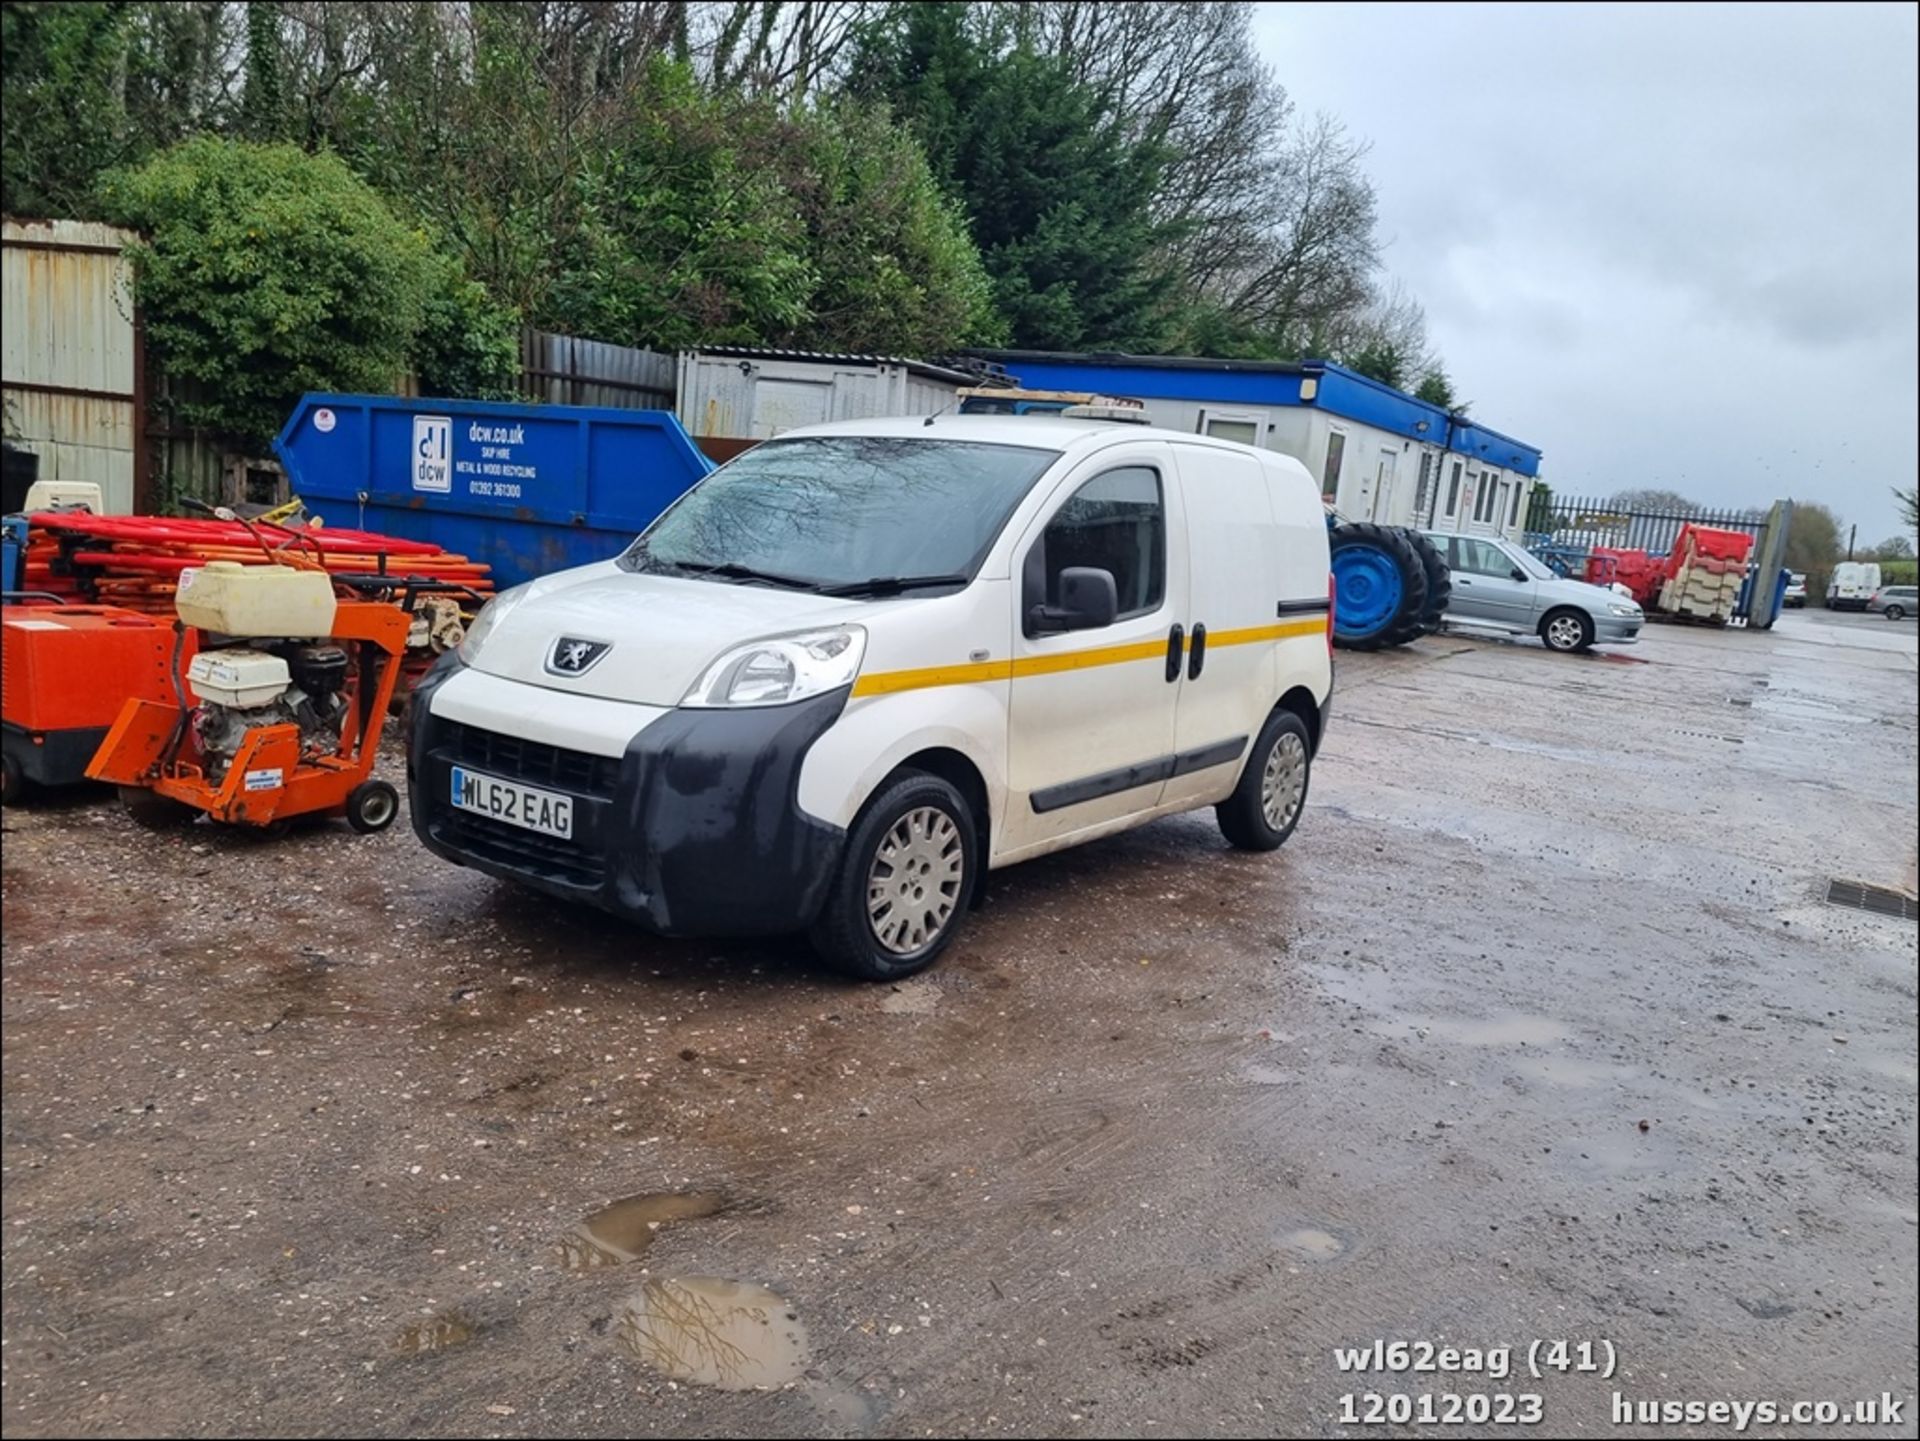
1877,899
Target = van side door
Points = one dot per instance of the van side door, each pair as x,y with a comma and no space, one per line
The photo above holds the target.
1232,676
1091,711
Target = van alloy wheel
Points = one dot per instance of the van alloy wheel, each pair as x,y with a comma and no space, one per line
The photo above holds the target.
914,881
1284,781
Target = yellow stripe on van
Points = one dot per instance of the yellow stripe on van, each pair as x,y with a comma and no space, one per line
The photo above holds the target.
1285,630
975,672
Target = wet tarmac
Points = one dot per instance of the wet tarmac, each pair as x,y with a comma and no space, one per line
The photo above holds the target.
1539,1028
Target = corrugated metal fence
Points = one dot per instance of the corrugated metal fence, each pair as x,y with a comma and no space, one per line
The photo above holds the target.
70,362
1588,520
565,370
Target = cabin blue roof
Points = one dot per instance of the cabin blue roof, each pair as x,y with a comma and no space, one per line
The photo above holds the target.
1336,390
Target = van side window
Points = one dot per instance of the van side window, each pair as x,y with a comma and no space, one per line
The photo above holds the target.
1116,522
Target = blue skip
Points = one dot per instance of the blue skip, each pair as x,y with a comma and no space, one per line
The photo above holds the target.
529,489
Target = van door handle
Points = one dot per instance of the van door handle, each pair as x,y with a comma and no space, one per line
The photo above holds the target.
1197,652
1175,638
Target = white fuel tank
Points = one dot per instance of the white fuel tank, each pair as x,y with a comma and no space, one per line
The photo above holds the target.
266,600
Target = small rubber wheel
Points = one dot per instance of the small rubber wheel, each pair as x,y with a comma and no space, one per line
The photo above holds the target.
13,780
371,807
1266,805
153,812
1567,631
903,882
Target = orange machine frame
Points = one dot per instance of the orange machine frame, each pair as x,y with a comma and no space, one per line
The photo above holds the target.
267,780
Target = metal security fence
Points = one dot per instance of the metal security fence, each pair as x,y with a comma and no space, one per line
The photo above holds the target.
1591,521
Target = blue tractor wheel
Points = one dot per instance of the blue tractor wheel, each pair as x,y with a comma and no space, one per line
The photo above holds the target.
1380,586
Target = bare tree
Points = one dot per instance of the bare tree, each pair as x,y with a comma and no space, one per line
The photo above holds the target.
772,47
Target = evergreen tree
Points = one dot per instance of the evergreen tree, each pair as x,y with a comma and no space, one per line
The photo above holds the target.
1059,200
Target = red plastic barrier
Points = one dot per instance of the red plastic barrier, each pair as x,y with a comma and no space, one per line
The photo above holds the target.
1718,551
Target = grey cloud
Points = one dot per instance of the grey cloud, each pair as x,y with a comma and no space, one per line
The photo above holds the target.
1651,238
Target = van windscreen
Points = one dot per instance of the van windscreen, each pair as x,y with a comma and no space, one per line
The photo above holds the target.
840,511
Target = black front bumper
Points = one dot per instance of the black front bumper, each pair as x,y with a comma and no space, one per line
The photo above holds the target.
695,831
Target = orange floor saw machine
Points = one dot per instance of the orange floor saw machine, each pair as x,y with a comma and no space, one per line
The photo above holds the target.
279,713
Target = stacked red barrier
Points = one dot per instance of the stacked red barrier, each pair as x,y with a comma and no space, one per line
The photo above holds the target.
1704,573
1635,569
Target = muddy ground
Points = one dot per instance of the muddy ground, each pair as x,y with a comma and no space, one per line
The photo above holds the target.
1537,1029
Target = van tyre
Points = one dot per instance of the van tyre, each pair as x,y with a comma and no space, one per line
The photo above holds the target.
371,807
1567,631
903,882
1266,805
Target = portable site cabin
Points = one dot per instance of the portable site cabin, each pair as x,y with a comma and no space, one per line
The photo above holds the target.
1380,454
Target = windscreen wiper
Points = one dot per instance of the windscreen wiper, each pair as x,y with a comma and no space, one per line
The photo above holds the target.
730,570
892,584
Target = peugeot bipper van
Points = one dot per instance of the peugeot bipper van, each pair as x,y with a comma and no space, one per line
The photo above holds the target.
862,664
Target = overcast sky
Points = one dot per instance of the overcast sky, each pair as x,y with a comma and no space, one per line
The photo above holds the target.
1672,245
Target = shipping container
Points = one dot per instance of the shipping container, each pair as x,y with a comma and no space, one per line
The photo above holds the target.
528,489
731,397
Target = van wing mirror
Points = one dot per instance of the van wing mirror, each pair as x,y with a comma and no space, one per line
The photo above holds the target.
1089,599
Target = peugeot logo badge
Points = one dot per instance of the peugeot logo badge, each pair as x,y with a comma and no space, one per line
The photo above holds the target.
573,656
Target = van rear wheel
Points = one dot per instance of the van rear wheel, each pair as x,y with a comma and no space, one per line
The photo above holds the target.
903,882
1266,805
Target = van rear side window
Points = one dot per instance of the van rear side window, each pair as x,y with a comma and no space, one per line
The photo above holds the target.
1115,522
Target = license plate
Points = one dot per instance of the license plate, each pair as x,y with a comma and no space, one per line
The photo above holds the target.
547,812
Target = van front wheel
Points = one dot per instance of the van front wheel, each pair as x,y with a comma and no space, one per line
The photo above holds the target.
1265,807
903,881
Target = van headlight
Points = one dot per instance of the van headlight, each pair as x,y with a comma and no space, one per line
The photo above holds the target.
782,668
491,614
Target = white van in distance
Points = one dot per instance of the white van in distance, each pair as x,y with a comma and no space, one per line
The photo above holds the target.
862,664
1852,584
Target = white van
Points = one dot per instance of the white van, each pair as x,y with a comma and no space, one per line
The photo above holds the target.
1852,585
862,664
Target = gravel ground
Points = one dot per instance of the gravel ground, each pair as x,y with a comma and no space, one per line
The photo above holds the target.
1538,1029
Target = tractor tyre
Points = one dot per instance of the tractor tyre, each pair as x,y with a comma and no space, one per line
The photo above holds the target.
1380,586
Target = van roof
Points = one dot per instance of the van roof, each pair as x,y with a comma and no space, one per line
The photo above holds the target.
1047,432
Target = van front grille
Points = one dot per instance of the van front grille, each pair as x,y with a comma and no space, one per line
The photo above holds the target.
534,762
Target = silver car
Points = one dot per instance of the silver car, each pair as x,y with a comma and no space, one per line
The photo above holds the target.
1896,602
1498,585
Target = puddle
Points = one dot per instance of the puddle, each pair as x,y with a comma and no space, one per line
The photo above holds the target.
1628,1152
1312,1244
729,1334
1893,1068
623,1231
441,1331
1566,1071
1496,1031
